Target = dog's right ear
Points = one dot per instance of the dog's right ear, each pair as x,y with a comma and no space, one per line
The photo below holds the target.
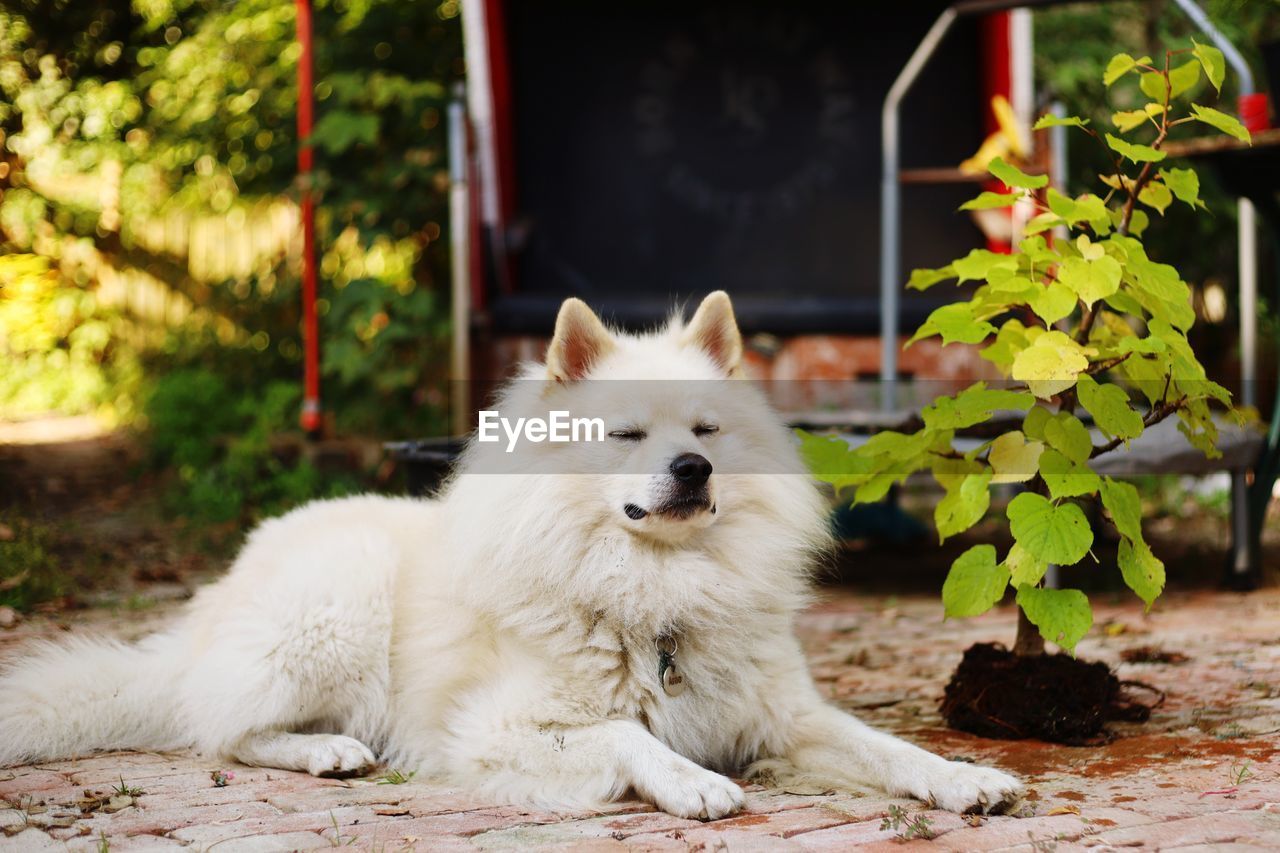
580,341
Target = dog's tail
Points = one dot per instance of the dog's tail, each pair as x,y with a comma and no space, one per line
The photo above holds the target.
68,699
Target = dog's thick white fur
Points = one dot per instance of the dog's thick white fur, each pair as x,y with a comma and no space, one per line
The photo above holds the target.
503,637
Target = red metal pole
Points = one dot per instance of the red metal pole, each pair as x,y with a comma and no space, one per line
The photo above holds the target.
310,420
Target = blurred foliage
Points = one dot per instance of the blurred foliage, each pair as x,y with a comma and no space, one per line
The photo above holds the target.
29,572
62,350
1074,43
116,115
219,439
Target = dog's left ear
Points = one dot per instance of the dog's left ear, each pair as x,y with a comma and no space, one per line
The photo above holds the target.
714,330
579,342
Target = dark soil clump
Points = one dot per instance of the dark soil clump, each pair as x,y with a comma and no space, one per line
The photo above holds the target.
995,693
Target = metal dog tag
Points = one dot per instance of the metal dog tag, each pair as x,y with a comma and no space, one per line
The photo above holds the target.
672,679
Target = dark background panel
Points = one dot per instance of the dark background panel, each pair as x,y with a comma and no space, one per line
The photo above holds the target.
661,155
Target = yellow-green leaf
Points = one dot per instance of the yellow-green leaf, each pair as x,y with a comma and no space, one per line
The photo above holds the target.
1067,479
1229,125
1135,152
1184,183
1023,566
1050,365
1127,120
1109,405
1059,121
1013,458
1065,433
1142,570
990,200
1125,507
1091,280
1054,533
1063,616
923,279
963,507
975,584
1053,302
1181,79
1157,195
1012,176
973,405
1120,65
1211,60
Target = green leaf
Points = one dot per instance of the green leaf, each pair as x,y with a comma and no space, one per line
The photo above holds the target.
956,324
1054,533
1135,152
979,264
973,405
1013,458
1138,223
1125,507
1042,222
1063,616
338,130
1050,365
1053,302
1109,405
1011,176
975,583
1212,62
1184,183
1023,567
1059,121
831,460
1067,479
923,279
1033,424
963,507
1142,570
990,200
1229,125
1065,433
1157,195
1129,119
1120,65
1181,79
1091,280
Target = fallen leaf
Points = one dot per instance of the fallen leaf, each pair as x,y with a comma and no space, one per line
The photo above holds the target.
1063,810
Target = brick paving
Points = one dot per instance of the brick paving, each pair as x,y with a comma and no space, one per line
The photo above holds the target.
1204,774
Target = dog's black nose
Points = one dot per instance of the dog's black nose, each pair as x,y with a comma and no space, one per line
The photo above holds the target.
691,469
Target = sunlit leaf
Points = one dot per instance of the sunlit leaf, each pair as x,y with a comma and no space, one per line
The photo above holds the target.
1055,533
1215,68
1142,570
1229,125
1135,152
975,584
1062,616
1012,176
1013,458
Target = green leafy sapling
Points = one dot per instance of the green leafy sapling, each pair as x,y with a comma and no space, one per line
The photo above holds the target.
1087,323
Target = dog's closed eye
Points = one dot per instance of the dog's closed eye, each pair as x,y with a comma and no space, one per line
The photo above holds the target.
629,434
703,429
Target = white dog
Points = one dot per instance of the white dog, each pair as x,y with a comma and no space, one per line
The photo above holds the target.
565,624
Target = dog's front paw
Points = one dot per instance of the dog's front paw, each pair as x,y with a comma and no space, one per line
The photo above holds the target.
695,792
337,755
968,789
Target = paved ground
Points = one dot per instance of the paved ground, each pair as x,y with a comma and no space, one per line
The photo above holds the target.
1203,774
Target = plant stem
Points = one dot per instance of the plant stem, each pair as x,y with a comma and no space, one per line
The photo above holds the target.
1028,642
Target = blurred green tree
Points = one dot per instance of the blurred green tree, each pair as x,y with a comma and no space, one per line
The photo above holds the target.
147,146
